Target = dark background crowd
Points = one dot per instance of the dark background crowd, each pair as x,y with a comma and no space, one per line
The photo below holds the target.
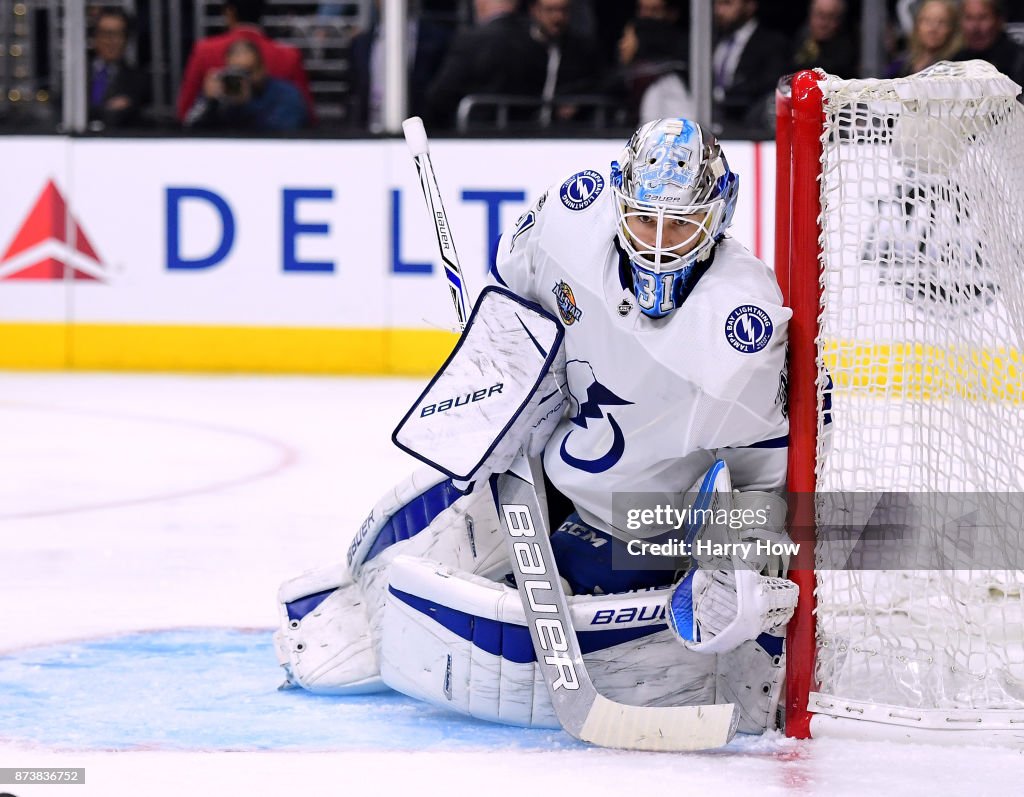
271,66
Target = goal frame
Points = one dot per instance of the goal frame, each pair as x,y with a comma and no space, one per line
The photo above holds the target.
799,264
799,127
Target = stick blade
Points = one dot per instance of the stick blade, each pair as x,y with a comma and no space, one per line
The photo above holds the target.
658,729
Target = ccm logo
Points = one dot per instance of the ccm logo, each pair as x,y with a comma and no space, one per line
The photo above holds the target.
549,631
447,404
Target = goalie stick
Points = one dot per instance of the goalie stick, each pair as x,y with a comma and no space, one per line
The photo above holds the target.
583,712
416,138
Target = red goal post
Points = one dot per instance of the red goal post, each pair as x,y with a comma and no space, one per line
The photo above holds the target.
798,166
899,245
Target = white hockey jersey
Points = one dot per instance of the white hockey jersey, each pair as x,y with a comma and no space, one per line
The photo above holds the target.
653,401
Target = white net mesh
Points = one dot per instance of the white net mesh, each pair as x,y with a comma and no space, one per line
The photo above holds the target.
921,338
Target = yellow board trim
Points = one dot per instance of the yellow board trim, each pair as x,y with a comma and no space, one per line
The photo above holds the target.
903,370
917,370
33,345
286,350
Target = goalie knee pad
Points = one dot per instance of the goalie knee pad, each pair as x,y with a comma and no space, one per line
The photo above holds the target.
459,641
329,635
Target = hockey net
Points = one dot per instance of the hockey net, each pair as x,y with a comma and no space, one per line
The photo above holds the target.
900,247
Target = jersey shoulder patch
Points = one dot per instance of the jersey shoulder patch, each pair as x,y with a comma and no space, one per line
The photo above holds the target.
581,190
748,329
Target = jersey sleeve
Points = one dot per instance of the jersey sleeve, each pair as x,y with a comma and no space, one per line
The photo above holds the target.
741,412
748,414
517,259
753,433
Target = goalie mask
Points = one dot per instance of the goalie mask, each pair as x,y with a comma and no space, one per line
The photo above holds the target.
675,197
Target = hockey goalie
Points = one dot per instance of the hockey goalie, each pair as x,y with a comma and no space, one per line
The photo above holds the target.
630,346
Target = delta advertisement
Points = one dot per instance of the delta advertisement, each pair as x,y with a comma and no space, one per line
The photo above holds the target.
281,256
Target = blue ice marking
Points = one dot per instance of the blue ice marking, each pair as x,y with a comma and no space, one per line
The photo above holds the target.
215,689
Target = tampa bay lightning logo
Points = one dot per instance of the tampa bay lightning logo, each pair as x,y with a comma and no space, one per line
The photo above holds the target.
748,329
590,416
581,190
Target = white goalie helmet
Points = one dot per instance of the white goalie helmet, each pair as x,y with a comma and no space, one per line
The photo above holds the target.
675,198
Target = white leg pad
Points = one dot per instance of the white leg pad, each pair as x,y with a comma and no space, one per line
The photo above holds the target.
751,676
329,634
327,650
460,642
467,536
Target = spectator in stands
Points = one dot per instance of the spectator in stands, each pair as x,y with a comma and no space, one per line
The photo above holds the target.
572,61
209,55
243,97
825,41
983,25
669,11
652,72
117,90
665,11
747,62
496,56
934,37
427,42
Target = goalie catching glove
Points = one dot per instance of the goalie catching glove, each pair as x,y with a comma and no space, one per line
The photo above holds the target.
725,600
715,611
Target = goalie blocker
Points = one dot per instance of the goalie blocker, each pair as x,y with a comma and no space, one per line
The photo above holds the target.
501,391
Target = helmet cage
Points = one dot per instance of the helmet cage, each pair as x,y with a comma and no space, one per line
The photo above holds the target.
702,222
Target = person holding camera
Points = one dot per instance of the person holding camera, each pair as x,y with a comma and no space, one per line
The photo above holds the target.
242,96
244,22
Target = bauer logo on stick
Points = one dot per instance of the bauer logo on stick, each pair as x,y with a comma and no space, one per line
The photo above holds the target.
748,329
540,595
581,190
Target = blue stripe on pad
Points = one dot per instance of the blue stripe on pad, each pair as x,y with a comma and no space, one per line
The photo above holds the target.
773,645
298,609
508,640
411,519
775,442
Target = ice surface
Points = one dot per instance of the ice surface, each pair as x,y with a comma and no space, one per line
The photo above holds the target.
145,524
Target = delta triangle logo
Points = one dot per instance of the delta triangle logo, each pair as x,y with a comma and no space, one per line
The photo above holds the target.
42,248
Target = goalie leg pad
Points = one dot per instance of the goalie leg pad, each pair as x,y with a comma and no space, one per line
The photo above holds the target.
329,633
459,641
403,512
466,535
323,643
751,677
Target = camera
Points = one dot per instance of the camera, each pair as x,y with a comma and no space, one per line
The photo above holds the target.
234,82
